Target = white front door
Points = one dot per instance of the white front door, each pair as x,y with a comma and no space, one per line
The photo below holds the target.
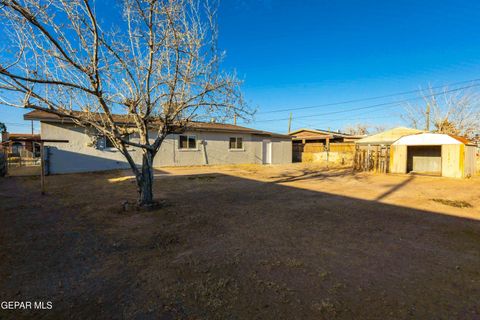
267,152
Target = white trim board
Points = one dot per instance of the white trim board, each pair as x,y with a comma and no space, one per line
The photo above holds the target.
426,139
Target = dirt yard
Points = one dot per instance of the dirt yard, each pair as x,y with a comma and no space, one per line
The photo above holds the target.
243,242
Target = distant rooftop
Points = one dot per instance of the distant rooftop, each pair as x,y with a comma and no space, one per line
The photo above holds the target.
325,133
388,137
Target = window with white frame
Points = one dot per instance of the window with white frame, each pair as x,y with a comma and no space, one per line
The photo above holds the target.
187,142
236,143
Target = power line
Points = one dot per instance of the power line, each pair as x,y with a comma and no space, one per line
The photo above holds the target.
345,119
366,99
17,124
386,104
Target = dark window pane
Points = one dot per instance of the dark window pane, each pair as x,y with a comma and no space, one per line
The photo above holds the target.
232,143
101,142
109,143
192,142
239,143
183,142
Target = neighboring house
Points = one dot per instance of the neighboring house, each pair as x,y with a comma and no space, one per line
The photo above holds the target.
433,153
21,144
307,142
305,136
201,144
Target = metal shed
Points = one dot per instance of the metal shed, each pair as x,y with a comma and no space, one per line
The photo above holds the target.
433,153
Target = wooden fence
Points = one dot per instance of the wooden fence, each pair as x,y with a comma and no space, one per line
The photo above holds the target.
24,158
314,147
336,153
342,147
372,158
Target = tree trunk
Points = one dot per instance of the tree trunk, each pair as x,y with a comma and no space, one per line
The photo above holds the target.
145,181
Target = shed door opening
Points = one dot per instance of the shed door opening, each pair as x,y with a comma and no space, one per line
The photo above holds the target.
424,159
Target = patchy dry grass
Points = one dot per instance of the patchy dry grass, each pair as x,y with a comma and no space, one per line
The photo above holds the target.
242,242
454,203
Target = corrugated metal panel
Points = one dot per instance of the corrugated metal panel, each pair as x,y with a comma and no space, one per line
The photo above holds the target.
425,159
470,161
451,155
398,159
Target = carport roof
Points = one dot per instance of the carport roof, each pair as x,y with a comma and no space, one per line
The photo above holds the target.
431,139
388,137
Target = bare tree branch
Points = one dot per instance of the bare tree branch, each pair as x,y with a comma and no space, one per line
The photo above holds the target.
157,65
452,112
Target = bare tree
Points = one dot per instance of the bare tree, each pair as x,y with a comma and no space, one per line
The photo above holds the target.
157,66
450,111
363,129
357,129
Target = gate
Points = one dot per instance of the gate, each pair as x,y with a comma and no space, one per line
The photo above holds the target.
372,158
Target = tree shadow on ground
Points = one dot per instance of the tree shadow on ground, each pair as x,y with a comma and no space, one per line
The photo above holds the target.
231,247
314,174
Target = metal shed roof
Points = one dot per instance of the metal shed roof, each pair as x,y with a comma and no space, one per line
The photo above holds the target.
430,139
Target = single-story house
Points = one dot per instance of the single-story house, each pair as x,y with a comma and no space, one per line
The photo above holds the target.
433,153
201,144
316,141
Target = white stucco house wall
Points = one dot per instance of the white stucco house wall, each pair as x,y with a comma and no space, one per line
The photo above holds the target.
201,144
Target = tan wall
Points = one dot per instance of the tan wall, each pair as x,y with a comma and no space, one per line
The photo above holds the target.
313,147
398,159
343,147
340,153
470,161
332,157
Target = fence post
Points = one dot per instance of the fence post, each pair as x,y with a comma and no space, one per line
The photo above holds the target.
42,170
387,159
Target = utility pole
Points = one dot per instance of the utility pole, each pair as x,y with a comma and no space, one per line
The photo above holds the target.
235,119
32,126
290,123
427,113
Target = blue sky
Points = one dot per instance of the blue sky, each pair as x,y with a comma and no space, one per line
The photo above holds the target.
307,53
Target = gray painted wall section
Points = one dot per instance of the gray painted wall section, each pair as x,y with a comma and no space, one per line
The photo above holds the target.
212,149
